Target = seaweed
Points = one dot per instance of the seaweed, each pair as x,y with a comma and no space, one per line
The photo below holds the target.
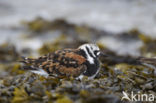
118,73
149,47
8,53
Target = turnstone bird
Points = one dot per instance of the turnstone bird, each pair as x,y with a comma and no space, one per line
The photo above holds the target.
79,62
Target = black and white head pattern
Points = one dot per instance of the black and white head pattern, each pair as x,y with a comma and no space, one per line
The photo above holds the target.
92,51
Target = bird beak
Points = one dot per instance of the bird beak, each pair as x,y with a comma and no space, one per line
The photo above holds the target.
103,54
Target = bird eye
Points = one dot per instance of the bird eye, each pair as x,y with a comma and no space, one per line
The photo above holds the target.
96,52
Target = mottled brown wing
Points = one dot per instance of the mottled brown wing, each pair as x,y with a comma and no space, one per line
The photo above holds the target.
70,71
63,62
35,62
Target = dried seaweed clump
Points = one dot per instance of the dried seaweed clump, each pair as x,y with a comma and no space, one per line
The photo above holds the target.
59,43
40,26
149,47
8,53
107,87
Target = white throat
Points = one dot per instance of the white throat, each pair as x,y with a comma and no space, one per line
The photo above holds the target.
89,58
